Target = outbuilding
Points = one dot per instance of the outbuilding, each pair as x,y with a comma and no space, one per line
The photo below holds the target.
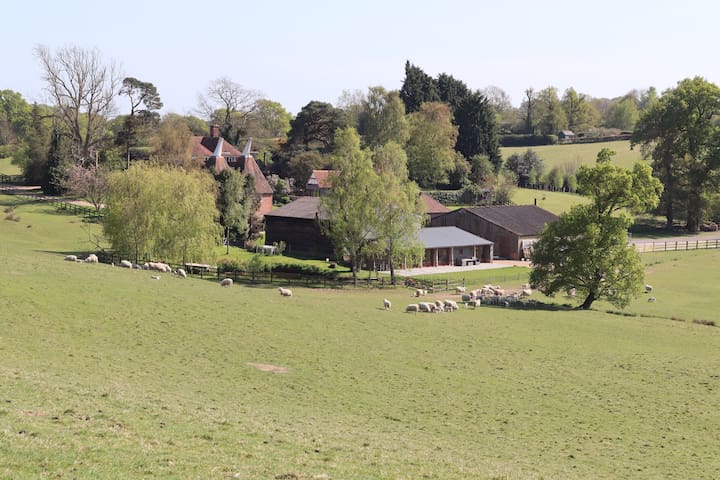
298,225
512,228
453,246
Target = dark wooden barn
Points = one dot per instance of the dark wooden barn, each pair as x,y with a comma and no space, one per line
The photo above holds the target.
297,225
512,228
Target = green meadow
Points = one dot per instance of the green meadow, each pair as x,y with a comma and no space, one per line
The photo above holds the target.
108,373
8,168
576,154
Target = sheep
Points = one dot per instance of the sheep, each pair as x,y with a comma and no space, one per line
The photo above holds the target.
450,305
92,258
475,303
652,299
226,282
459,289
285,292
526,285
125,264
420,292
527,292
648,288
571,292
135,266
387,304
413,307
71,258
427,307
181,273
466,297
155,277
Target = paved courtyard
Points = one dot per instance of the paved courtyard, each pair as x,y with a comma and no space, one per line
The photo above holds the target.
409,272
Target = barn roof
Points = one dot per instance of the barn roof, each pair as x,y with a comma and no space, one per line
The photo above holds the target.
523,220
204,146
440,237
304,208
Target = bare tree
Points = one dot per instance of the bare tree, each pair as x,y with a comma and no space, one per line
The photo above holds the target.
83,89
90,184
230,104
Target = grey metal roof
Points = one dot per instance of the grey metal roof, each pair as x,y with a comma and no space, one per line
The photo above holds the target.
441,237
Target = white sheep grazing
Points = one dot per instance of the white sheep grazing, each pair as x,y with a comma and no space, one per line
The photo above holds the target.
285,292
92,258
648,288
652,299
420,292
226,282
426,307
387,304
181,273
71,258
125,264
459,289
413,307
450,305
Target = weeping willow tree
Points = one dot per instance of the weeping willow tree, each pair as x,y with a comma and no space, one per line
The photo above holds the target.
162,213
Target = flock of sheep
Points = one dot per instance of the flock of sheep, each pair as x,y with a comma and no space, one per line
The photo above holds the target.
158,267
488,294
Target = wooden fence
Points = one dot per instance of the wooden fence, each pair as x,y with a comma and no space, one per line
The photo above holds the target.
677,246
58,202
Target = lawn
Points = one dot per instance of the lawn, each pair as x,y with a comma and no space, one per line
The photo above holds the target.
577,154
555,202
107,373
7,167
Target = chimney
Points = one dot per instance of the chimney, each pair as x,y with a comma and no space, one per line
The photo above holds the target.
215,130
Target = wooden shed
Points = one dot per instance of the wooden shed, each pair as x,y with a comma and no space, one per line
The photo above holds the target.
297,225
512,228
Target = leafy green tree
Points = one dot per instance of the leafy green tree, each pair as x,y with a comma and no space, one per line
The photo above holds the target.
418,87
482,171
351,204
390,159
162,213
587,248
171,144
14,121
549,113
430,145
314,127
32,157
234,201
623,114
302,165
579,112
385,118
680,132
451,90
528,167
353,104
477,128
139,94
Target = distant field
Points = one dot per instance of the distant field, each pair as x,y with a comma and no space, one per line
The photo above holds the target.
7,168
555,202
107,373
579,153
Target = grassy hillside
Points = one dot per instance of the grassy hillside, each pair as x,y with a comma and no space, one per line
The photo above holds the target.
7,168
556,202
107,373
579,153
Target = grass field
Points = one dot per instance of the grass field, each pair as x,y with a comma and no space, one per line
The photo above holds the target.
7,168
577,154
555,202
106,373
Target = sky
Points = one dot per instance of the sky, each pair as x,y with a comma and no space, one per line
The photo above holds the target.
294,52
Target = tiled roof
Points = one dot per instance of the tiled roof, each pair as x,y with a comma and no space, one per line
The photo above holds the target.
523,220
321,178
432,205
442,237
304,207
205,146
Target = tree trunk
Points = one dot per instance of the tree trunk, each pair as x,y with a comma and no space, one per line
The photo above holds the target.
588,301
392,272
227,240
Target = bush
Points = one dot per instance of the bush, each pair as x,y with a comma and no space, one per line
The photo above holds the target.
527,140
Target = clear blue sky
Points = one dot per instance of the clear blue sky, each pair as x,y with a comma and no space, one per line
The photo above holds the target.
297,51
